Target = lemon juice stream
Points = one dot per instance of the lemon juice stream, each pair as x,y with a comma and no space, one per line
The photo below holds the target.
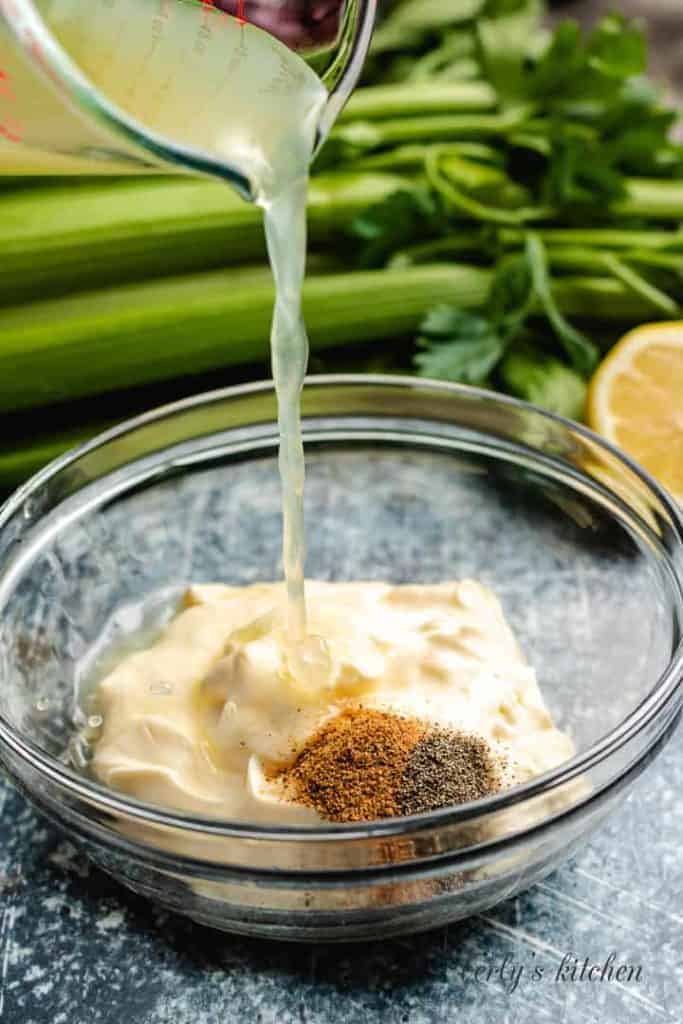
227,91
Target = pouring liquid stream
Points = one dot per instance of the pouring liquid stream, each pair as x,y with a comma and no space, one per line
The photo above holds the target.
225,89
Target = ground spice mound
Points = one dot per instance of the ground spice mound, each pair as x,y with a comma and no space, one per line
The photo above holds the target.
352,769
447,768
367,764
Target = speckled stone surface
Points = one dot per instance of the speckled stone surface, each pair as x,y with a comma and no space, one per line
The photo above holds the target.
76,948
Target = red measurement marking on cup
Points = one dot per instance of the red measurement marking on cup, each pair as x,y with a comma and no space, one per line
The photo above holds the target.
10,128
210,7
6,85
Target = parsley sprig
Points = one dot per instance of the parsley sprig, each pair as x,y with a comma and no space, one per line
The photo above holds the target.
547,156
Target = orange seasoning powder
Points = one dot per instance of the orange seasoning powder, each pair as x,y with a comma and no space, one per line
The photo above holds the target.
351,769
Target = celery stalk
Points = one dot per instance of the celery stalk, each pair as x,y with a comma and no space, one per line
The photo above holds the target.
101,341
659,200
422,99
66,239
84,345
370,135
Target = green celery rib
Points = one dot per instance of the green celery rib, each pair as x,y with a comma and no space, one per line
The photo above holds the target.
399,131
59,240
600,238
592,261
409,21
378,102
654,198
102,341
462,242
640,285
599,299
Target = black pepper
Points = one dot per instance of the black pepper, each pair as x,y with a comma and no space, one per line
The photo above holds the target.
446,768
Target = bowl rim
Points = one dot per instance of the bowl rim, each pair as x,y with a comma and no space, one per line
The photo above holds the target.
662,693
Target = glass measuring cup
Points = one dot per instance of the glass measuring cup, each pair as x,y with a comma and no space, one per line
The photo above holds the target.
124,86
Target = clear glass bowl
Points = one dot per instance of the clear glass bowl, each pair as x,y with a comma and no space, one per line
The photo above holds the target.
407,481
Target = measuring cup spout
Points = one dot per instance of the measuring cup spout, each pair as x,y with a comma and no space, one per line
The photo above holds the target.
127,86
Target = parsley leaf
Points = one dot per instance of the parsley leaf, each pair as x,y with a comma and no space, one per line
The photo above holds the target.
540,378
406,216
636,131
512,296
557,69
458,346
580,172
505,35
599,117
592,72
617,48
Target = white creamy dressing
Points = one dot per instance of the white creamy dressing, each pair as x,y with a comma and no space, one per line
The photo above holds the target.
195,721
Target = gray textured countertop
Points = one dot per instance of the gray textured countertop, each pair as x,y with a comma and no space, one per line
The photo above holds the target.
76,948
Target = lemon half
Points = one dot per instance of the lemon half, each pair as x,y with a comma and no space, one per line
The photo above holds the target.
636,400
